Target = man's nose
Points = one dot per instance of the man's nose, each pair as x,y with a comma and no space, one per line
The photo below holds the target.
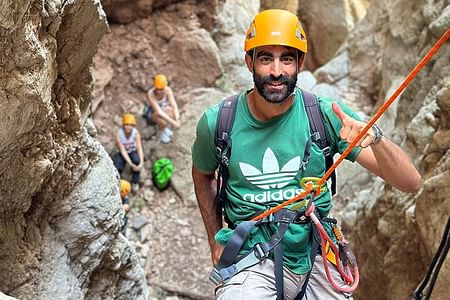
276,69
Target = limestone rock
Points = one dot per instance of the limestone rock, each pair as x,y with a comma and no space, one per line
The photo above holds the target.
290,5
385,237
5,297
306,80
60,211
327,25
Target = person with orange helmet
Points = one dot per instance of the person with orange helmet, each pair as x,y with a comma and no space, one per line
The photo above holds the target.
257,148
128,140
125,188
162,108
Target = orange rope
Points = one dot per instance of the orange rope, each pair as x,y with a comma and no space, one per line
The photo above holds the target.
386,105
369,125
285,203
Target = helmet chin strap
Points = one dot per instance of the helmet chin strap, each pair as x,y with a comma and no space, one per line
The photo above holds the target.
253,60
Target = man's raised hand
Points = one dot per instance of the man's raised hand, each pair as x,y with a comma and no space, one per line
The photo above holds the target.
351,128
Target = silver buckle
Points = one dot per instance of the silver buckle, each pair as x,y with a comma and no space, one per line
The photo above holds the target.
259,252
215,277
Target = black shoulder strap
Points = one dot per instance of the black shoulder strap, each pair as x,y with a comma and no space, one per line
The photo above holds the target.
317,124
225,119
222,141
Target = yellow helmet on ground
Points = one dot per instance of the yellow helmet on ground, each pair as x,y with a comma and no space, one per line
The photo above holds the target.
125,188
276,27
128,119
160,81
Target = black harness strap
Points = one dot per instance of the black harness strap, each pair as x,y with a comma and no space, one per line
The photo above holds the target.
228,265
435,266
317,125
307,153
222,140
279,278
314,250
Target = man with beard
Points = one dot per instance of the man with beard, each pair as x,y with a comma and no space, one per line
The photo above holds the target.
268,139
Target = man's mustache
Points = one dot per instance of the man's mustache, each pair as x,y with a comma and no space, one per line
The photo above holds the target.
283,79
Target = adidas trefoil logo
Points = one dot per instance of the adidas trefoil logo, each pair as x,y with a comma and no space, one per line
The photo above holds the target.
271,176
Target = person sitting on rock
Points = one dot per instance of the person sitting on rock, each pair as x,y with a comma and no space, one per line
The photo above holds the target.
128,140
125,188
162,108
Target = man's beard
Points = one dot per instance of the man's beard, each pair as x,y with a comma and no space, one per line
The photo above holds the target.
275,96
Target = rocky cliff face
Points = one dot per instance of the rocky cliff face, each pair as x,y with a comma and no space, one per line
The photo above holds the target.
60,208
126,11
397,234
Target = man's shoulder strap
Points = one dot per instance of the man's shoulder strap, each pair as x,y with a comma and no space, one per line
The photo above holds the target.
225,119
317,124
222,141
315,118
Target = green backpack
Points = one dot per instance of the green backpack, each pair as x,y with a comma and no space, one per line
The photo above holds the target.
162,171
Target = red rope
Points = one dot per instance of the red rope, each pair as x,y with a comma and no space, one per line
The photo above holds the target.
350,275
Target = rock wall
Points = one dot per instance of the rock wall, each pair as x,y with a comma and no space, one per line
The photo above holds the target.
126,11
327,25
396,234
291,5
60,209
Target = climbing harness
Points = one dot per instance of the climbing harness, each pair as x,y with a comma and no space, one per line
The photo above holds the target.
228,266
435,266
344,259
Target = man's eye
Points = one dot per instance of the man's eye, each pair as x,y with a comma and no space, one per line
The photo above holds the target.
287,60
265,59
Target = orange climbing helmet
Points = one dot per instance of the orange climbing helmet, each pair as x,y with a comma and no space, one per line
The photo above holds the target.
276,27
128,119
160,81
125,188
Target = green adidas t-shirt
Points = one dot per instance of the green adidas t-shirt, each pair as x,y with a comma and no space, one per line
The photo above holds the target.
265,168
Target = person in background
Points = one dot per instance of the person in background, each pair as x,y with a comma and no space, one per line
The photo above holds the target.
162,108
128,140
125,188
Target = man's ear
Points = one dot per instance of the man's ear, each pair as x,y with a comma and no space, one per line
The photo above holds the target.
249,62
301,62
